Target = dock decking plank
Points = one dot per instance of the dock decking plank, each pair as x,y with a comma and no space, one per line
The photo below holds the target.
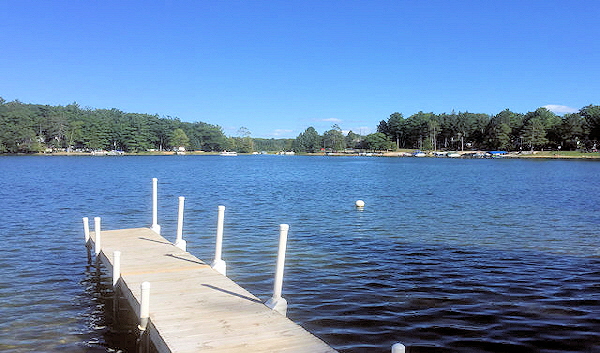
194,308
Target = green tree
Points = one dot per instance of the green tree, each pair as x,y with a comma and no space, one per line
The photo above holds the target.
308,141
135,133
384,128
334,139
417,129
31,128
534,133
552,124
160,131
396,128
498,132
540,128
433,127
18,131
573,131
498,135
244,142
212,137
75,134
479,123
179,138
591,114
378,141
205,137
352,140
273,145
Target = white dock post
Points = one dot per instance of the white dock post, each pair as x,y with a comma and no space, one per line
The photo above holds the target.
97,242
144,306
155,227
179,242
277,302
86,233
86,229
218,264
116,274
398,348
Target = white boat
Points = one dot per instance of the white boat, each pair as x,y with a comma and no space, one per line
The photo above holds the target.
108,153
228,153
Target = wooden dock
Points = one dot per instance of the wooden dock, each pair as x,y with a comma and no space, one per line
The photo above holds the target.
193,308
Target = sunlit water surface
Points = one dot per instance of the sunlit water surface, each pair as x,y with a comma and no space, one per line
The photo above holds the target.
447,256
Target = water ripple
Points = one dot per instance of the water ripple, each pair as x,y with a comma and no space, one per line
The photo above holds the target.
447,256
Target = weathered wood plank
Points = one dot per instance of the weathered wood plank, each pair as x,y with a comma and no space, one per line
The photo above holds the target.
194,308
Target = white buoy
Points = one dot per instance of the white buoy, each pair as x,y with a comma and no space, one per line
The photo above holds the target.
360,203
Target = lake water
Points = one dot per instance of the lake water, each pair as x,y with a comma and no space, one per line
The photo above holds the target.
449,255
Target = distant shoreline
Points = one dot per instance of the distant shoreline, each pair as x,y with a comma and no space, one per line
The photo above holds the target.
509,155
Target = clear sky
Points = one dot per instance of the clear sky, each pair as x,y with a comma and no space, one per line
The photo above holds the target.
278,67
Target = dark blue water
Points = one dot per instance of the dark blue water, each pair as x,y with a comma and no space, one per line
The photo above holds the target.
448,255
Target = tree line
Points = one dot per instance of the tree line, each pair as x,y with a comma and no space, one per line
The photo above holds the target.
540,129
28,128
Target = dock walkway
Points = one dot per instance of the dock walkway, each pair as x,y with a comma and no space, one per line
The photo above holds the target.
193,308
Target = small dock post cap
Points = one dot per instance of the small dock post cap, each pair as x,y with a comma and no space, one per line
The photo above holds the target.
398,348
360,203
284,227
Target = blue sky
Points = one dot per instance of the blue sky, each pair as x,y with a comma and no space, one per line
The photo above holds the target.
278,67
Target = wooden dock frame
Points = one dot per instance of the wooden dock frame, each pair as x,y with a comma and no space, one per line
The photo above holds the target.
194,308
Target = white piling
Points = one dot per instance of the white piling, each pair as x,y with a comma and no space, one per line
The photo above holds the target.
155,227
179,242
86,229
277,302
144,306
218,264
398,348
97,242
116,274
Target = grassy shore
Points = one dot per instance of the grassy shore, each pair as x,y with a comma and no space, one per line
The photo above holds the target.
559,154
